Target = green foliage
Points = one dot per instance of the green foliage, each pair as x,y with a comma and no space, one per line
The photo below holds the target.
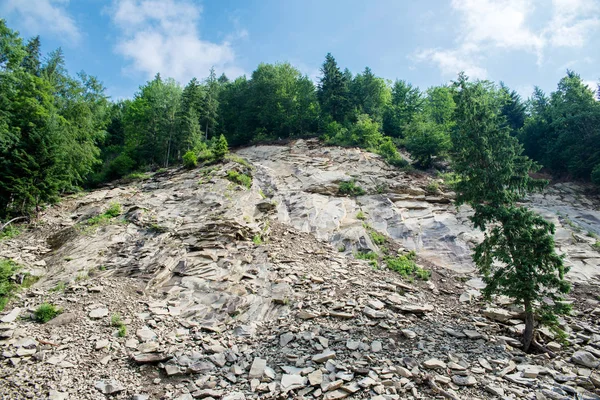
237,159
517,257
361,215
220,148
45,312
257,240
113,211
122,332
360,255
562,131
239,178
596,245
190,160
11,231
350,188
115,320
377,237
407,267
60,287
7,285
432,187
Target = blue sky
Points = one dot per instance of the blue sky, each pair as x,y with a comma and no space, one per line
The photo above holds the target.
125,42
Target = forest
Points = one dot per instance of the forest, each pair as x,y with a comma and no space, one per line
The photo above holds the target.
61,133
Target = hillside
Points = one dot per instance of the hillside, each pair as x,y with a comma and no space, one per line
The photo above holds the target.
234,292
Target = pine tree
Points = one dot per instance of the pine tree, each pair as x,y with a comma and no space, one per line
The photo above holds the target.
31,63
333,92
211,104
517,257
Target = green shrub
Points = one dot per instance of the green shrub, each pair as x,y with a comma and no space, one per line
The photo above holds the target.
45,312
60,287
137,176
239,178
7,286
257,240
120,166
113,211
361,216
387,149
366,256
190,160
122,331
9,232
239,160
377,237
406,266
220,148
596,245
115,320
432,188
350,188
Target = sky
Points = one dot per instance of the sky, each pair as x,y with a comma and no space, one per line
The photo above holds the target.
126,42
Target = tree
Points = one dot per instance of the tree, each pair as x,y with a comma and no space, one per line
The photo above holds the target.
517,257
211,104
513,109
370,94
405,104
31,63
333,92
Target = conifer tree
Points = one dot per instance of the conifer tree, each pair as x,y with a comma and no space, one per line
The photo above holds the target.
517,257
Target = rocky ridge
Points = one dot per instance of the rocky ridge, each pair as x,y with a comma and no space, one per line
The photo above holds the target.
211,314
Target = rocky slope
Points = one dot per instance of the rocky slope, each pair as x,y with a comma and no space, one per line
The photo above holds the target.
211,313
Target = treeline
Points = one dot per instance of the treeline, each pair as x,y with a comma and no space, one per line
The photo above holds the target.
59,133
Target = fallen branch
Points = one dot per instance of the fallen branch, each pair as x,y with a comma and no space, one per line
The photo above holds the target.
42,341
10,222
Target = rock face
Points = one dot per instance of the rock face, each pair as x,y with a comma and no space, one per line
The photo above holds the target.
205,289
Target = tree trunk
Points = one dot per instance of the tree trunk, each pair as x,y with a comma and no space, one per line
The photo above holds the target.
529,320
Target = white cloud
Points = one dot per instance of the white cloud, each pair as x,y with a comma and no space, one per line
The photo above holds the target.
162,36
41,16
494,25
451,62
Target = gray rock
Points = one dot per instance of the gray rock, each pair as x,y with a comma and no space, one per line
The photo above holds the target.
146,334
11,316
324,356
434,363
585,358
464,380
98,313
109,386
291,382
285,339
258,368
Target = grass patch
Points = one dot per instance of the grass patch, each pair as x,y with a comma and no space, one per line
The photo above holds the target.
350,188
450,178
239,160
9,232
137,176
8,286
257,240
45,312
113,211
82,276
377,237
406,266
239,178
117,322
29,280
370,256
154,227
596,246
60,287
361,215
432,188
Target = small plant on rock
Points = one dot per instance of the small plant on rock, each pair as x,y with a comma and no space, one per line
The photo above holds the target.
45,312
361,215
350,188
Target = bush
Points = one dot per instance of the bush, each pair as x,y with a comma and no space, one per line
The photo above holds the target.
220,148
239,178
432,187
7,286
350,188
120,166
377,237
113,211
45,312
9,232
406,266
427,141
122,331
190,160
